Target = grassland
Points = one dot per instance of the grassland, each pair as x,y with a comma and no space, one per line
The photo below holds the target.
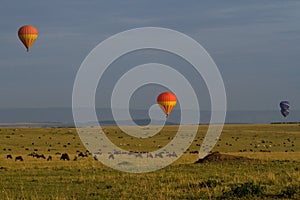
273,173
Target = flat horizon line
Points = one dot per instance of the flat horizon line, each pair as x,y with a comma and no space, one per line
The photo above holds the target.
65,107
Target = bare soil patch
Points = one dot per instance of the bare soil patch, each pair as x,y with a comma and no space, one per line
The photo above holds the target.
217,157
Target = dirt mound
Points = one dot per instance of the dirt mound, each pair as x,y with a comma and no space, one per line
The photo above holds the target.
216,156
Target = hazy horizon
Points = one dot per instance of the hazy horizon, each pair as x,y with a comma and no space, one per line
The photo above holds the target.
64,116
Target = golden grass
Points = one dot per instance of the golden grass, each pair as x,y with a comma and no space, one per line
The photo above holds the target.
89,179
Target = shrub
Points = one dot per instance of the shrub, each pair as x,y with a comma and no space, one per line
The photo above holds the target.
244,190
290,191
209,183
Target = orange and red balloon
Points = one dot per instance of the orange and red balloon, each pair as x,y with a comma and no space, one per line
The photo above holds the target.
167,101
28,34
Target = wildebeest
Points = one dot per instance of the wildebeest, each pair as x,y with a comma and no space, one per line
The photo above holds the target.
31,154
64,156
75,158
88,153
138,155
173,154
159,155
9,156
40,156
36,155
149,155
20,158
49,158
82,155
111,156
95,157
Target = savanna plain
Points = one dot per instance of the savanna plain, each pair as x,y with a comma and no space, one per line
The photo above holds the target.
255,162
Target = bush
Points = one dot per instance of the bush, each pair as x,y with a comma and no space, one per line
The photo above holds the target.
209,183
243,190
290,191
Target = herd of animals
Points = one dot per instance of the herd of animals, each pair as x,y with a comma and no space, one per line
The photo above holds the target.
63,156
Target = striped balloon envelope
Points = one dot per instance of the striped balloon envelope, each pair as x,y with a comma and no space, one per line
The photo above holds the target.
284,105
285,112
167,102
285,108
28,34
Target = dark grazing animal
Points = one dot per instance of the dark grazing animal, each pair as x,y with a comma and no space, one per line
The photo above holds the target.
40,156
82,155
111,156
64,156
36,155
95,157
149,155
20,158
32,154
9,156
49,158
159,155
75,158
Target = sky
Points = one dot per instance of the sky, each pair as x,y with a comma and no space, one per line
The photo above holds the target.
255,44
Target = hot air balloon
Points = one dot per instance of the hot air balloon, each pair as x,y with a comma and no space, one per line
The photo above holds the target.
285,113
285,105
167,102
28,34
